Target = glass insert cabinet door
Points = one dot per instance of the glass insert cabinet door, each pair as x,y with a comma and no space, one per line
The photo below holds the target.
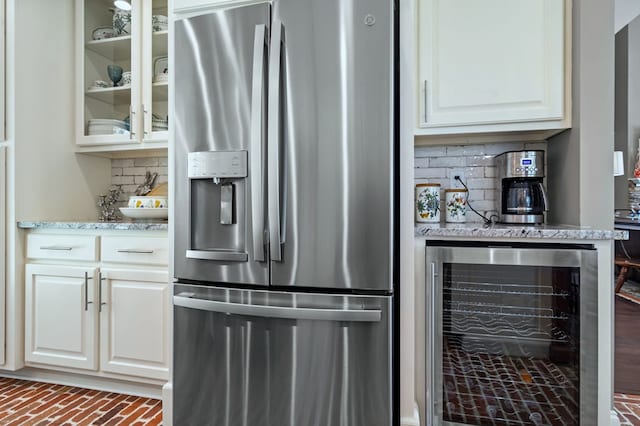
511,335
123,65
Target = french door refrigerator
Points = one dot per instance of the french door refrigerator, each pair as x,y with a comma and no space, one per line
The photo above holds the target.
285,227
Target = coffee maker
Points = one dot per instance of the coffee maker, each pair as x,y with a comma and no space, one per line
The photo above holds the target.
522,197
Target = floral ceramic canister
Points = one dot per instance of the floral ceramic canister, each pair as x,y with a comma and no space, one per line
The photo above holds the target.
455,203
428,202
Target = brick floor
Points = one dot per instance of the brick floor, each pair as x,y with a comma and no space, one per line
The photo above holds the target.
628,408
26,403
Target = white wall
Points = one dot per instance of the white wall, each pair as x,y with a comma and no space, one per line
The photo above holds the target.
625,12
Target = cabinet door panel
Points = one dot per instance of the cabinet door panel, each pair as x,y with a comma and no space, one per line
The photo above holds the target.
494,61
135,322
60,321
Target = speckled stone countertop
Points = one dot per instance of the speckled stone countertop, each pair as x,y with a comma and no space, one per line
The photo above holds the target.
481,231
121,226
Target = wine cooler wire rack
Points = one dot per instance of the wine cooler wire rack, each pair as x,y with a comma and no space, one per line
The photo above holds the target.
483,382
494,389
505,328
492,288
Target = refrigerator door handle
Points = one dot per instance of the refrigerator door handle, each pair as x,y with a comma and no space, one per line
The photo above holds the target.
273,131
257,144
282,312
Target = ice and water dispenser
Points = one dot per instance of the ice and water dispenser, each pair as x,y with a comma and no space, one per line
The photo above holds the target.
218,187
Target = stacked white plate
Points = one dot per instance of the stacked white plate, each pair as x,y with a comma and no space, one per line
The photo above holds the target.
159,124
634,195
103,126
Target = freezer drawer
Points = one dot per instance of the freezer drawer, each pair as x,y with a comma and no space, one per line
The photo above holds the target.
270,358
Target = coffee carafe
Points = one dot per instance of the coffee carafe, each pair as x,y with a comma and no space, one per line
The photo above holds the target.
522,197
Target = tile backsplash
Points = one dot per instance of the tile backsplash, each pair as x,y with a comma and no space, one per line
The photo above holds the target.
473,163
130,173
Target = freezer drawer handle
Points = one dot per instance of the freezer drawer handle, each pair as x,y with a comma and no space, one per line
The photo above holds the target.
363,315
220,254
135,251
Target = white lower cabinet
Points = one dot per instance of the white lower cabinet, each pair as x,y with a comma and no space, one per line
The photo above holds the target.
110,317
60,322
134,322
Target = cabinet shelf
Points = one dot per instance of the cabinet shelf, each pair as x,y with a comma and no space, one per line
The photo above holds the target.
111,95
116,48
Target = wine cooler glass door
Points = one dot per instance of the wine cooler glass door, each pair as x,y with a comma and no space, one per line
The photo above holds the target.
511,333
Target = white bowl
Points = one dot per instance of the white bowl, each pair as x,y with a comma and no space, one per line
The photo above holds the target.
103,32
145,213
147,202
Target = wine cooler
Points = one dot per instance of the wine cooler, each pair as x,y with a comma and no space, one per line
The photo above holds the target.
511,334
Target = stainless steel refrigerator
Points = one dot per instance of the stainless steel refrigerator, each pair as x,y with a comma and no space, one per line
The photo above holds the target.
285,215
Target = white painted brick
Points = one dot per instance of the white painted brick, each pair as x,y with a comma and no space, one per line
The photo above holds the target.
468,172
442,182
133,171
490,172
479,160
138,179
483,205
447,162
481,183
116,171
161,170
421,162
122,162
163,161
146,162
465,150
476,195
431,172
129,189
122,180
499,148
430,151
490,194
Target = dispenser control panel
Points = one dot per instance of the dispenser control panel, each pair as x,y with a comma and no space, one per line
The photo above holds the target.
527,165
217,164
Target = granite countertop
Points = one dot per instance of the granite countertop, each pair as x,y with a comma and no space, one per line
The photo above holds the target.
479,230
124,226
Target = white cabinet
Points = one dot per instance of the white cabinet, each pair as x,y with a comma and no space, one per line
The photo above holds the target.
194,6
128,116
108,314
60,321
134,322
495,65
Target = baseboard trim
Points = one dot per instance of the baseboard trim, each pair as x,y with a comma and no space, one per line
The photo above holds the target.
615,420
89,382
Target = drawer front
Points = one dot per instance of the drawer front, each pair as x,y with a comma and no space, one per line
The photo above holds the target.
141,250
67,247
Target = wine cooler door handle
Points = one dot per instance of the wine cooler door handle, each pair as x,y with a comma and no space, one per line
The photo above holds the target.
431,343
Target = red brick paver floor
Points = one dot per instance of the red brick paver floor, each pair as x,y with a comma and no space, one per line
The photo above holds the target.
628,408
26,403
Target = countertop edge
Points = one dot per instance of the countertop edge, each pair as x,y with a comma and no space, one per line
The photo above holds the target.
480,231
120,226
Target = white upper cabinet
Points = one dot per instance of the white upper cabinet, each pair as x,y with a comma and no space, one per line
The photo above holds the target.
492,65
130,112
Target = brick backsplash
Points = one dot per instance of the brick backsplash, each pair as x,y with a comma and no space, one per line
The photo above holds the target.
439,164
130,172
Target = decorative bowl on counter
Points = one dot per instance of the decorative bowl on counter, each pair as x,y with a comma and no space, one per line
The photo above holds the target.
156,213
147,202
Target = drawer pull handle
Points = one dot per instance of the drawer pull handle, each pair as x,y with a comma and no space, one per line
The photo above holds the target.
135,251
65,248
